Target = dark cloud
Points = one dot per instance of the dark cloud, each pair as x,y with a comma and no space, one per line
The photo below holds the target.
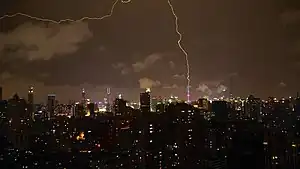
146,63
173,86
122,67
256,39
42,42
148,83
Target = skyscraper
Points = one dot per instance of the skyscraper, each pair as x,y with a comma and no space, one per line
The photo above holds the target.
30,95
51,104
30,101
154,102
83,96
84,103
120,107
253,107
108,96
145,101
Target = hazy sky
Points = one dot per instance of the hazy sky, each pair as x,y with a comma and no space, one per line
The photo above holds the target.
256,43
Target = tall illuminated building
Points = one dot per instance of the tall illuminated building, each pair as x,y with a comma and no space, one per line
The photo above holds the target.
108,103
83,96
145,101
51,104
120,107
84,103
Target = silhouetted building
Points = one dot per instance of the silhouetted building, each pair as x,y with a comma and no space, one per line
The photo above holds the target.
154,102
30,95
30,101
91,109
145,101
79,110
120,107
18,120
51,104
297,107
17,108
247,151
253,107
203,103
221,110
3,109
160,107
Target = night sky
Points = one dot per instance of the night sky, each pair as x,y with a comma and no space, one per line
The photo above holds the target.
255,43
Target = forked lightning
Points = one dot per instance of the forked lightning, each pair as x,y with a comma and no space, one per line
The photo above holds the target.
183,50
109,15
64,20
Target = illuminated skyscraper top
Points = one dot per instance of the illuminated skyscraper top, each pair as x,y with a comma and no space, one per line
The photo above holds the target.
30,95
83,95
108,96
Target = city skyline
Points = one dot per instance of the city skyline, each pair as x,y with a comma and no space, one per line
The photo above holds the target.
136,48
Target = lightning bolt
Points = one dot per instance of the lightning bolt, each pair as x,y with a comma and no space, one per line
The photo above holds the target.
109,15
183,50
125,1
65,20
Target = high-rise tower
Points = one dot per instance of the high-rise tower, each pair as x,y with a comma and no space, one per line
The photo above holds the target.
84,102
188,94
51,104
108,95
83,96
30,95
31,101
145,101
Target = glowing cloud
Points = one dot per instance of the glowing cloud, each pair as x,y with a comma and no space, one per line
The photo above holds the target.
148,83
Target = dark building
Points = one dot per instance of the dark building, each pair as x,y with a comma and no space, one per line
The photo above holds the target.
51,103
3,109
297,107
18,120
160,107
30,101
253,107
91,108
203,104
145,102
120,107
247,148
30,95
17,108
154,103
79,110
221,110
